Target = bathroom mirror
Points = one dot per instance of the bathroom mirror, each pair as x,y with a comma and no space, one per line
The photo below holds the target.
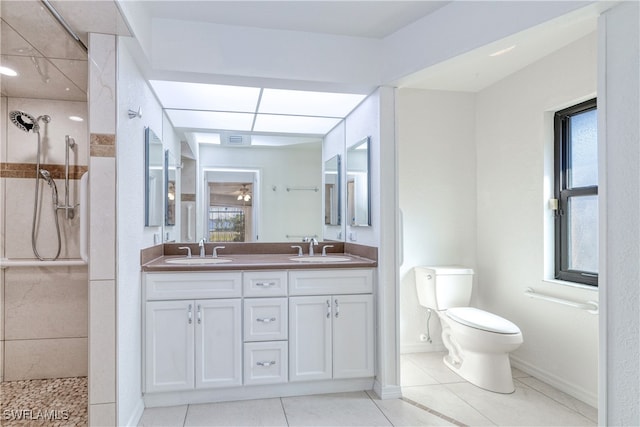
170,189
358,184
332,184
154,184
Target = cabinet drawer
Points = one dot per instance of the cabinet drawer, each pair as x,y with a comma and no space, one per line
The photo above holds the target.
264,283
265,362
265,319
165,286
330,282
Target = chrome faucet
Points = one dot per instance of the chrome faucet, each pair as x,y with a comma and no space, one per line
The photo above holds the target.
215,251
312,242
201,244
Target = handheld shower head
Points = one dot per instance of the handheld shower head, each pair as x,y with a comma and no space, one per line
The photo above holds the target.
25,121
47,176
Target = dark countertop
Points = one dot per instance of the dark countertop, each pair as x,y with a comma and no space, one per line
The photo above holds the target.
257,262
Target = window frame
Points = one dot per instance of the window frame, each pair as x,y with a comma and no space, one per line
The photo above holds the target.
562,194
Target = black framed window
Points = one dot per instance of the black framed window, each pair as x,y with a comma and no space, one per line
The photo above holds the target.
576,192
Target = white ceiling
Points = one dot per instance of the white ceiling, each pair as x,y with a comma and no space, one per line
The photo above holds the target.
372,19
54,66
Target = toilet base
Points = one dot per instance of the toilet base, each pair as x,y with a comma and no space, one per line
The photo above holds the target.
488,371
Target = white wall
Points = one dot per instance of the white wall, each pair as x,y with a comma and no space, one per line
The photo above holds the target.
281,212
619,133
514,131
132,235
437,191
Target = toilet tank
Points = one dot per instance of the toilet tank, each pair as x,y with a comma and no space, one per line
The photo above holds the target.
440,288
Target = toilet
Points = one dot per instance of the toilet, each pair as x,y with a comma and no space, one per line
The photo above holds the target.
478,342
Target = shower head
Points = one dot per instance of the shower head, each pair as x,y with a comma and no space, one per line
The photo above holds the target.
25,121
47,176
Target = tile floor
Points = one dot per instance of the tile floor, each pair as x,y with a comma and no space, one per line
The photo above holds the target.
433,396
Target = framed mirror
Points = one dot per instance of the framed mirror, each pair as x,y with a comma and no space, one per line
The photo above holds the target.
359,184
154,183
332,198
170,190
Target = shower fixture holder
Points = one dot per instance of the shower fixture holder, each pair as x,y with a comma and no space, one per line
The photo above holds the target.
133,114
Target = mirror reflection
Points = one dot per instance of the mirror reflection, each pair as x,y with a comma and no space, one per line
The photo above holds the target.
282,175
332,184
153,179
170,186
358,184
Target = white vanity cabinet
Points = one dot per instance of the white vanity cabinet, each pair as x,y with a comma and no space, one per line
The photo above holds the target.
191,342
331,335
227,335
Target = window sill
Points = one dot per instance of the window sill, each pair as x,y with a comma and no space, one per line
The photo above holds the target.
571,284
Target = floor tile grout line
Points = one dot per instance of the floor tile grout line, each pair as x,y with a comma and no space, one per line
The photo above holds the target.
470,405
284,411
433,412
184,421
554,399
379,409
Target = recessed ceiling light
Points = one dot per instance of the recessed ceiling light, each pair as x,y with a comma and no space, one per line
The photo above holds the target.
76,118
305,103
200,96
294,124
210,120
6,71
503,51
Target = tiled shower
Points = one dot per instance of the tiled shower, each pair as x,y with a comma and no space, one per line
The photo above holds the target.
43,305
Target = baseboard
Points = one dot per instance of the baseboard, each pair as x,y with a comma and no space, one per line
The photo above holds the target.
553,380
136,414
421,348
387,392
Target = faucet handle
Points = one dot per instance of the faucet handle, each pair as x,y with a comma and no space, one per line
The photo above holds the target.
324,249
215,251
188,250
299,249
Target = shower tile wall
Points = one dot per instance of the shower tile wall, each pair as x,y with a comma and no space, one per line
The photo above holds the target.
43,310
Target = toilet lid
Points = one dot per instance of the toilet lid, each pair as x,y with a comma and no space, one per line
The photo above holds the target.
481,319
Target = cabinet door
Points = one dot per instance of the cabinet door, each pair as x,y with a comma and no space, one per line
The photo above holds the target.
218,343
352,336
309,338
169,345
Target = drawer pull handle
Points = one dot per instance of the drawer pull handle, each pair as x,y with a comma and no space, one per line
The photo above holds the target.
199,314
190,315
266,319
328,309
266,364
337,308
265,284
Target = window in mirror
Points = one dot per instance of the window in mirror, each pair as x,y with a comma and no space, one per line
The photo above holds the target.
154,182
230,207
332,199
358,184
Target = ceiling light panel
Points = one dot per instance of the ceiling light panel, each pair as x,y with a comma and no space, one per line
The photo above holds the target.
294,124
279,101
200,96
210,120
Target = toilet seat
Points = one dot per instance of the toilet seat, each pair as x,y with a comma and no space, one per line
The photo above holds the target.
483,320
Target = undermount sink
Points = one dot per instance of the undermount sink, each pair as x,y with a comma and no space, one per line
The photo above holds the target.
320,258
197,261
